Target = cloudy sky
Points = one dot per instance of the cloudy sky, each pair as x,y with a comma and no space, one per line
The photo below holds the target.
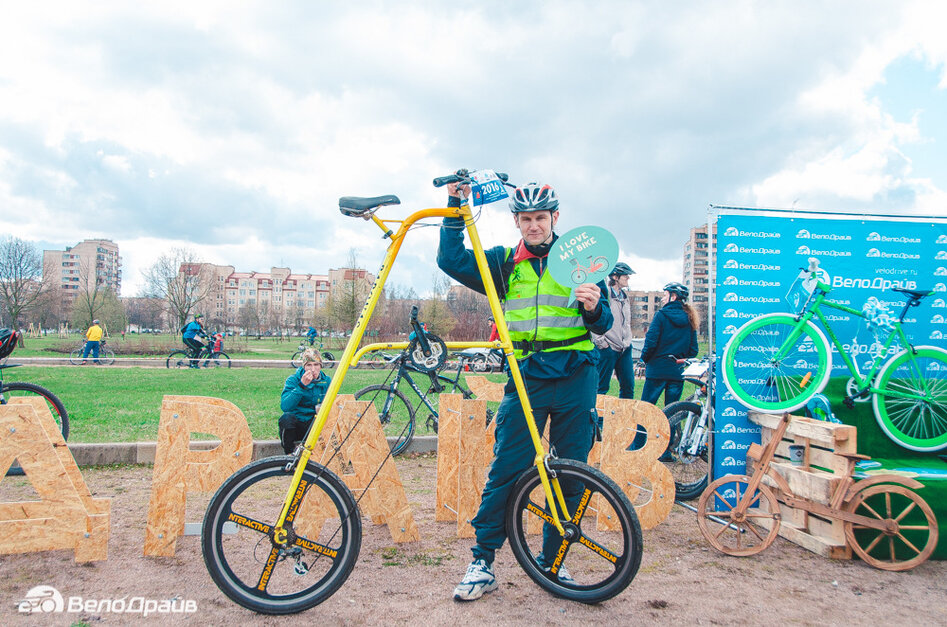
232,128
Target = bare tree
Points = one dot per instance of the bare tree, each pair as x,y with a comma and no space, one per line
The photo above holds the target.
21,278
472,312
434,311
347,298
144,312
182,280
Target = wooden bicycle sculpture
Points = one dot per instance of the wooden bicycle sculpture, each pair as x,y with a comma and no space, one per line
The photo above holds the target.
885,522
282,534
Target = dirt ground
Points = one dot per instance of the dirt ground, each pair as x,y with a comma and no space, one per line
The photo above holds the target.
681,579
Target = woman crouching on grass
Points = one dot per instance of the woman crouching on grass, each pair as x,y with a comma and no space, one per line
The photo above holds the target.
302,394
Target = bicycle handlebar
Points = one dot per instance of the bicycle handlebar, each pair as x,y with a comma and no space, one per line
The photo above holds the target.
463,176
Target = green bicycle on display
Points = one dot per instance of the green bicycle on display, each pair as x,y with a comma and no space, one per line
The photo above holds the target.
777,362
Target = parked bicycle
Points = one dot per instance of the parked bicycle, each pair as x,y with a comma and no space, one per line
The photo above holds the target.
884,521
212,355
483,359
106,354
691,422
296,360
778,361
14,389
397,414
285,556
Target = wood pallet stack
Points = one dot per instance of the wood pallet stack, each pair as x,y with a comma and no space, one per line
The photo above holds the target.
824,465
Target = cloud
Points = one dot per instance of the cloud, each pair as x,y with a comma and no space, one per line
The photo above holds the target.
237,128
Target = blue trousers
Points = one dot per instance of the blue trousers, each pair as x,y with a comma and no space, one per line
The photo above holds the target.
652,389
92,347
623,365
569,405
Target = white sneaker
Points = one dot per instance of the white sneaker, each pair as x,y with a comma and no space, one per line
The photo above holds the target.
478,581
564,575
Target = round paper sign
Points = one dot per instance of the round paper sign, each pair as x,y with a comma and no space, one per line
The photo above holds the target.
583,255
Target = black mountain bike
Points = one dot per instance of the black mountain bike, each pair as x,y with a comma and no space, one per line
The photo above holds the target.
14,389
424,355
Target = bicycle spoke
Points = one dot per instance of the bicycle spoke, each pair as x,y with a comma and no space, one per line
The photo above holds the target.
906,542
907,509
270,563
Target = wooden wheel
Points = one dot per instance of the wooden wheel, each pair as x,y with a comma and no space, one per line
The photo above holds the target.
748,532
910,533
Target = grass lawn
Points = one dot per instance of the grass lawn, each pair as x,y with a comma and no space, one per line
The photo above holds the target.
109,404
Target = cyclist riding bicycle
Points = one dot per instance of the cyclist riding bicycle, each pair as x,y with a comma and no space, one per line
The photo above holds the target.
189,335
311,335
553,346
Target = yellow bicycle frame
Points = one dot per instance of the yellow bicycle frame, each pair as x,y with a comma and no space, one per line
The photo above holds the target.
351,355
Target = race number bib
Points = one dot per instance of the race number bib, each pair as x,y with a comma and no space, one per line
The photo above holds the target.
486,188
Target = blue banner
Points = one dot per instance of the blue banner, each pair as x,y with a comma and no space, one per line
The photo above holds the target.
759,257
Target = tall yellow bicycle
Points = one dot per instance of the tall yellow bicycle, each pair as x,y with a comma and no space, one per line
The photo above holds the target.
282,534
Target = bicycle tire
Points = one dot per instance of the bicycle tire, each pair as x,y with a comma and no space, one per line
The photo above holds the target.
772,386
479,364
107,357
612,558
914,424
178,359
296,360
217,360
729,535
246,564
690,472
398,421
75,357
326,355
56,408
916,524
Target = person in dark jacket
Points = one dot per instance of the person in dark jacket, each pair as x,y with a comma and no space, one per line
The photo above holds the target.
551,334
672,335
302,394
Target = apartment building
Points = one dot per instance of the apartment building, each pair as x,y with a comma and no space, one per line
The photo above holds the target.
699,274
90,264
279,297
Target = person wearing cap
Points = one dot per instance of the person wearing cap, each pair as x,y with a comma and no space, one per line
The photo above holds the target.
93,337
672,335
302,394
614,346
189,335
552,343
